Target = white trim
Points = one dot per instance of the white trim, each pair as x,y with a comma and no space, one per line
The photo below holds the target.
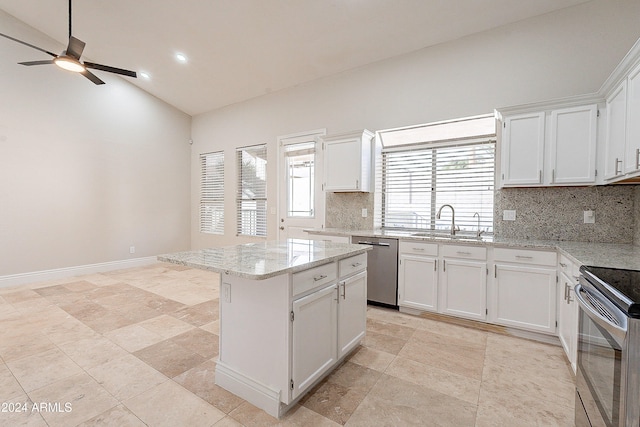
260,395
63,273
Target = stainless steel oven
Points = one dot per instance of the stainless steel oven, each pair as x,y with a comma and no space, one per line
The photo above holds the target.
608,375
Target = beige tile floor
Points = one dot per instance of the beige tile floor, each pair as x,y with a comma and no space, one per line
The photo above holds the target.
138,347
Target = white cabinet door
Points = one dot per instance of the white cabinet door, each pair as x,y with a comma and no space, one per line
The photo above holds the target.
568,319
314,337
463,289
523,149
352,312
525,297
347,162
572,147
616,132
632,155
418,282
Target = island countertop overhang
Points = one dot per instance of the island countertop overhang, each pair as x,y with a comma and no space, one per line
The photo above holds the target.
264,260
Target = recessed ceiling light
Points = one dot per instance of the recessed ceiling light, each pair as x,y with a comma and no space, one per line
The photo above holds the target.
181,58
144,75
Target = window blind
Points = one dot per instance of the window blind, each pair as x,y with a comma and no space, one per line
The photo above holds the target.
212,193
252,190
417,182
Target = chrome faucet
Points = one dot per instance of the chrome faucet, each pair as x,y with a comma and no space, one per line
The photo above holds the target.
453,218
479,232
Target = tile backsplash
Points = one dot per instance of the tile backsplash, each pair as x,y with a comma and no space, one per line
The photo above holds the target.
557,213
541,213
344,210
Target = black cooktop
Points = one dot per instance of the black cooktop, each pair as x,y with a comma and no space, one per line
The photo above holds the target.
620,286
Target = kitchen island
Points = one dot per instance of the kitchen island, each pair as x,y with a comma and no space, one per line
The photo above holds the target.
290,312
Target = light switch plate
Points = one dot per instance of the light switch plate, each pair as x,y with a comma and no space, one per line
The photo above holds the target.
508,215
365,213
226,292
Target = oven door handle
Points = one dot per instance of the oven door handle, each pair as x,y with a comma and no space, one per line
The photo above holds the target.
619,332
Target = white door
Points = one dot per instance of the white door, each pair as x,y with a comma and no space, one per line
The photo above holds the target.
523,149
315,329
525,297
352,312
464,288
300,195
418,282
616,132
632,157
573,145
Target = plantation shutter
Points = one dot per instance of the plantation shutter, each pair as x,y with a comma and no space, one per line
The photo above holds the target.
252,190
212,193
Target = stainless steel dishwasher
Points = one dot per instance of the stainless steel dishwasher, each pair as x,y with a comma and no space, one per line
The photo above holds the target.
382,270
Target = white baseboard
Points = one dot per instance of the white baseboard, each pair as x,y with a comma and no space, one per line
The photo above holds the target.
63,273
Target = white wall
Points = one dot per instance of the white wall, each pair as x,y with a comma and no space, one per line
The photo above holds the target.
569,52
85,171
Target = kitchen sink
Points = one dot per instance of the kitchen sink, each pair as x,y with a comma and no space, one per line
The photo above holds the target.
460,235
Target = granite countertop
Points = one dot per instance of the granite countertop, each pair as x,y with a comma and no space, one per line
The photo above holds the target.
611,255
266,259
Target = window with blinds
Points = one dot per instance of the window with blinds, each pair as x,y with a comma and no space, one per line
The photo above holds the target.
417,179
252,190
212,193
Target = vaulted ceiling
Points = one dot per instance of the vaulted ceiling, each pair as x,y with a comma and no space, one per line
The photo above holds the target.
240,49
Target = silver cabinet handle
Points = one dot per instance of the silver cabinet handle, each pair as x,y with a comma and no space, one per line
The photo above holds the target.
553,175
356,264
524,257
463,253
435,265
637,158
618,162
320,277
563,265
444,265
417,249
540,176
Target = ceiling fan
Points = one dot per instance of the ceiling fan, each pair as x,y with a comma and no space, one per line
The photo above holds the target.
69,59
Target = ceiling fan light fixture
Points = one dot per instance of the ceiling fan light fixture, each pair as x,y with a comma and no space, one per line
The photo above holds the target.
69,63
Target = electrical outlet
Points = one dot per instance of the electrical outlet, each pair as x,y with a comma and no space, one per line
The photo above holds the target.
509,215
132,249
589,217
226,292
365,213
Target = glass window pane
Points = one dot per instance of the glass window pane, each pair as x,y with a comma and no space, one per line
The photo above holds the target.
300,180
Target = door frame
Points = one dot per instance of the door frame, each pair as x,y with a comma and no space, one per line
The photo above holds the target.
296,138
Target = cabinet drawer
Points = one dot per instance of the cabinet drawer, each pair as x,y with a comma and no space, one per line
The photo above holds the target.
464,252
329,238
352,265
304,281
566,266
525,256
418,248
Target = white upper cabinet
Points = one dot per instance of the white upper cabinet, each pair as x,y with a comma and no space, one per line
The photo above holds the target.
546,148
523,150
632,151
572,146
616,132
348,162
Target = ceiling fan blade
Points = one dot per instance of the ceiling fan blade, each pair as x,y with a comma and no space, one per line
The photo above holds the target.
27,44
110,69
88,74
44,62
75,47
